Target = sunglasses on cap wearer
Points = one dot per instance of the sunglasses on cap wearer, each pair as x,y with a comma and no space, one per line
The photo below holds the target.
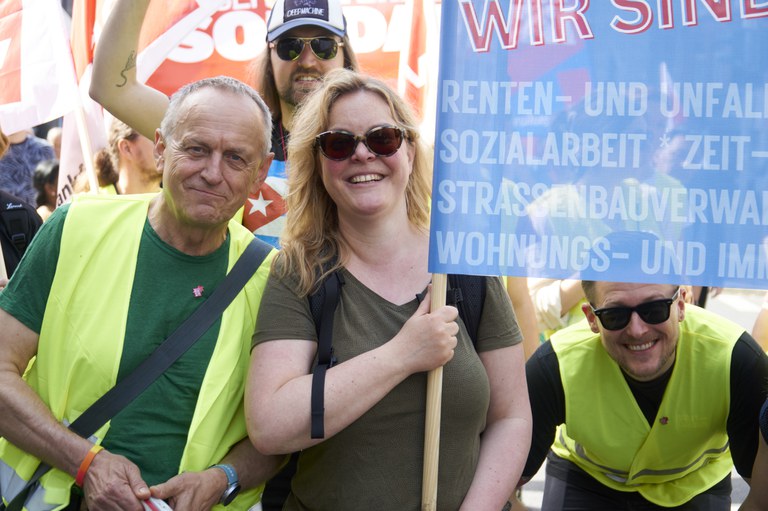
338,145
653,313
290,48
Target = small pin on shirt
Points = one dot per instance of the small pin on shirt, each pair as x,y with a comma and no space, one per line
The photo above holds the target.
198,291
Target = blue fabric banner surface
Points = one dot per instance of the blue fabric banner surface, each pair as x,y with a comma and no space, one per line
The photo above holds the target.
622,140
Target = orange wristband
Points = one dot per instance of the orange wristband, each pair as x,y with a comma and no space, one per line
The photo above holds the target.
80,479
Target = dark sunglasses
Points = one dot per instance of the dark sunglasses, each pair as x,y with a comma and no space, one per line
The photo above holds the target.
653,313
290,48
339,145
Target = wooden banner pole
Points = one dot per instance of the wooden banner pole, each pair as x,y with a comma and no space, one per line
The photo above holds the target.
434,405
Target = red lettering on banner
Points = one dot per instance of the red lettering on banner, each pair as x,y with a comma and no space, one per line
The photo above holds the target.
720,10
640,14
537,22
508,29
666,15
752,10
10,51
480,29
576,14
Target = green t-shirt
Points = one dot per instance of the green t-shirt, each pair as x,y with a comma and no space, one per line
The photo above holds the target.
152,430
377,461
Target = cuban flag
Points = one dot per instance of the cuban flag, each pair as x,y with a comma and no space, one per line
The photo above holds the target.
264,212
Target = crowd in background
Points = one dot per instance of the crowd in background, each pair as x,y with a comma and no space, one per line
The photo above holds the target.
333,229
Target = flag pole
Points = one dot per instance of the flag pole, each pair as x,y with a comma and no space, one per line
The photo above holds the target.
434,405
86,147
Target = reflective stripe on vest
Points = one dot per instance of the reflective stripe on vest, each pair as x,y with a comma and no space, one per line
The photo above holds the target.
103,233
685,451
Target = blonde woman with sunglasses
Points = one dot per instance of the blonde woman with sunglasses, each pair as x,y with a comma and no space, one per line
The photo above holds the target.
358,204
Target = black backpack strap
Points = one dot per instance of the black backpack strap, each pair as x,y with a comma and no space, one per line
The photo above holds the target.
18,236
467,293
323,305
16,222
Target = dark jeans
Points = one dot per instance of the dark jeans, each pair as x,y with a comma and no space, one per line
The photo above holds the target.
569,488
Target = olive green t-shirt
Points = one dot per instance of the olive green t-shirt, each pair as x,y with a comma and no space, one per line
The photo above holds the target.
376,462
152,430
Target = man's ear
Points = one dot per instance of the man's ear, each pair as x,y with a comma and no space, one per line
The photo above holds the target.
124,147
159,150
591,318
261,173
681,305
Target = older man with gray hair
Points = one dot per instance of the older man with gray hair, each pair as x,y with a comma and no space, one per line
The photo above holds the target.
106,281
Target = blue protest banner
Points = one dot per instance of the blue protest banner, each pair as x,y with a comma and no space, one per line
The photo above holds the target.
620,140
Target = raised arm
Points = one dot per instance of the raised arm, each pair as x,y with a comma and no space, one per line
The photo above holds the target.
114,84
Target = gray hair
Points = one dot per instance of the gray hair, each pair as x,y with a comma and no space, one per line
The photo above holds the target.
225,83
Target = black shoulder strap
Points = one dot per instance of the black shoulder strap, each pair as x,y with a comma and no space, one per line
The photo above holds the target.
323,304
467,293
185,335
176,344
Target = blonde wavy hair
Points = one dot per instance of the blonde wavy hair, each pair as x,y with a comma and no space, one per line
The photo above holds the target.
311,244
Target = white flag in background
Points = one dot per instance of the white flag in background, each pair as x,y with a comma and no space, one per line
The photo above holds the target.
36,69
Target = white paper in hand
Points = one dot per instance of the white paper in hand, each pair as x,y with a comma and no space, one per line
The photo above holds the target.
154,504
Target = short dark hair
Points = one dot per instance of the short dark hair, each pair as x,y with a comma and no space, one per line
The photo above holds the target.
46,172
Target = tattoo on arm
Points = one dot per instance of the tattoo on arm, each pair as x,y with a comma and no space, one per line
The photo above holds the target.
130,64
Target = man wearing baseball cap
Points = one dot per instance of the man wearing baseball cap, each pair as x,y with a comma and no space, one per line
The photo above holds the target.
305,40
288,14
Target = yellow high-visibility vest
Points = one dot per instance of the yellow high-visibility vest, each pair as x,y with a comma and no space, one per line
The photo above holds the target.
685,451
101,234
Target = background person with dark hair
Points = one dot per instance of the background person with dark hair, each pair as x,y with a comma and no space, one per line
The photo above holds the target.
45,180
